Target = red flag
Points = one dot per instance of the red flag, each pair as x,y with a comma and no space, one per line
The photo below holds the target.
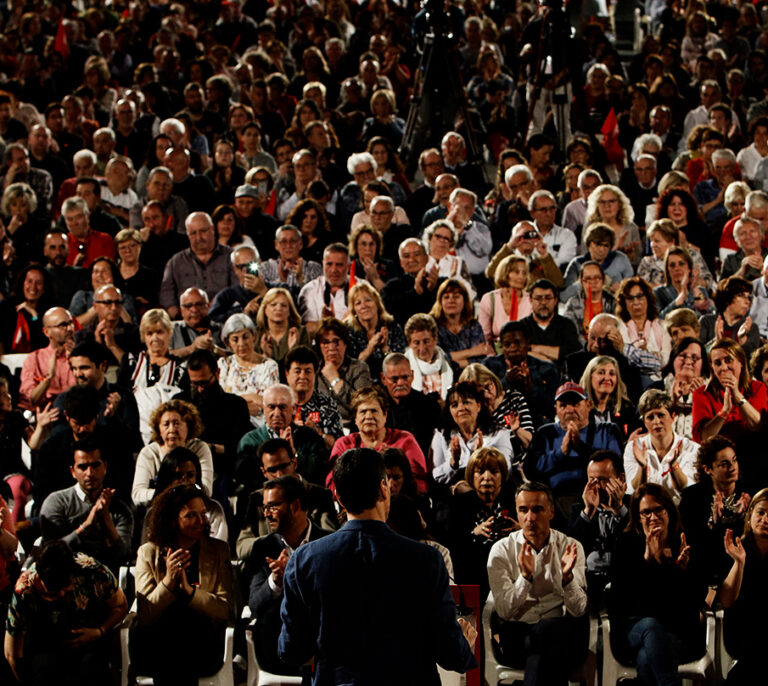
352,279
60,45
610,130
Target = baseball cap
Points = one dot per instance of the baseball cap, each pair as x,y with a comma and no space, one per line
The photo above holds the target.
569,387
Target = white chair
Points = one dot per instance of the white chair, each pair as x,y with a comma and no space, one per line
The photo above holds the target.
257,675
224,677
496,674
614,671
723,659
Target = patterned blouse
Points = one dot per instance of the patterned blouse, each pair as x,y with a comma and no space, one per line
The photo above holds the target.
234,378
469,336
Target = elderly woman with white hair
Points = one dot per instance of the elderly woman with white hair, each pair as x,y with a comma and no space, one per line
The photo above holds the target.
440,239
607,204
245,372
748,261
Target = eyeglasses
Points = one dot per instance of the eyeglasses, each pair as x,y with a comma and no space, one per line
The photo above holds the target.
363,172
189,306
328,342
632,298
242,265
550,208
690,358
374,213
109,303
62,325
284,241
202,384
273,506
658,512
442,237
542,298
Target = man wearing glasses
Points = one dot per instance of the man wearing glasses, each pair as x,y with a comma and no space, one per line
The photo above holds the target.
195,330
288,270
108,328
247,294
45,372
561,242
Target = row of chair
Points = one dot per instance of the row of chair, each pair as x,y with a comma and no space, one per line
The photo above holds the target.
713,666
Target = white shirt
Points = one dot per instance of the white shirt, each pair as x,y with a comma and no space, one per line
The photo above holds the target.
748,159
277,589
561,244
441,452
312,300
759,309
658,471
574,214
517,599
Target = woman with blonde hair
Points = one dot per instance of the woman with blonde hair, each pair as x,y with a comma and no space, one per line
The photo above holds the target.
154,364
608,204
384,122
509,301
608,394
278,325
373,332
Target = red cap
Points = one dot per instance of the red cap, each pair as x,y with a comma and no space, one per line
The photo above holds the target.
570,387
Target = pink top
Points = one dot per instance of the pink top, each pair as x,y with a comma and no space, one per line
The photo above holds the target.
394,438
35,369
492,329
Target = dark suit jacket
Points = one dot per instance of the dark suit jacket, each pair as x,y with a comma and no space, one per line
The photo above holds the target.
264,604
373,608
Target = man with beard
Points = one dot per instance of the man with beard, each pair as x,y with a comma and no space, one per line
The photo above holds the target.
409,410
66,279
535,379
195,331
225,415
89,517
284,502
306,444
552,336
560,451
46,372
278,460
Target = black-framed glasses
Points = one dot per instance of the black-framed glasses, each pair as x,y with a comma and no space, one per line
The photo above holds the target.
63,325
110,303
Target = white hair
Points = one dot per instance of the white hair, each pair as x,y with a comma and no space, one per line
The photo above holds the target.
359,158
517,169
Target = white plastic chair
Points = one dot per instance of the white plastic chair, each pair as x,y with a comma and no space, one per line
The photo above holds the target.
723,659
257,675
224,677
496,673
614,671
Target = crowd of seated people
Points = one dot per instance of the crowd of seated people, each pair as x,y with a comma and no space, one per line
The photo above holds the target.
225,259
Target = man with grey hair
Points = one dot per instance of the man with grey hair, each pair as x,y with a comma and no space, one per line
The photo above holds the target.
747,262
308,447
195,189
85,244
289,270
473,243
759,309
244,296
159,187
520,184
527,242
362,167
195,330
710,193
205,263
305,171
575,212
414,291
382,211
756,207
431,165
109,327
104,142
640,184
560,242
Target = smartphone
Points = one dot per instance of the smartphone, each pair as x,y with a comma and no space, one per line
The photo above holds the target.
252,268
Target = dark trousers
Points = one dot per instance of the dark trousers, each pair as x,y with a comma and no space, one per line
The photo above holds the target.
84,666
549,650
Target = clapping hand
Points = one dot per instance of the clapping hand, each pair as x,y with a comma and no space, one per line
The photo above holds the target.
526,559
484,528
591,497
568,561
113,401
685,553
743,332
176,562
277,566
734,548
616,489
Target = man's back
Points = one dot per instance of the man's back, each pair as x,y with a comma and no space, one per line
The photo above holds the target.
373,607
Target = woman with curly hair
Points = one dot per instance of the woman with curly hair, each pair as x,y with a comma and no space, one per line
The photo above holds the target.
679,205
175,423
607,204
642,329
26,231
315,229
306,111
733,299
184,590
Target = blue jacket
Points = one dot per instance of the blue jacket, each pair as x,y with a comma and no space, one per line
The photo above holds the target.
373,608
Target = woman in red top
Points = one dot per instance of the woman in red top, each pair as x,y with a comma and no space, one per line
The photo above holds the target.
370,406
731,404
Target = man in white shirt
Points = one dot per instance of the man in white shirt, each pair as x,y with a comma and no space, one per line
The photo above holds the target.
561,242
709,94
661,456
759,309
575,212
537,577
326,296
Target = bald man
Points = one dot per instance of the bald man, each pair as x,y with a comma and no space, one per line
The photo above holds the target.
46,373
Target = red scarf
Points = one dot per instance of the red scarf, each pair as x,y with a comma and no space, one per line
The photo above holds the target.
513,306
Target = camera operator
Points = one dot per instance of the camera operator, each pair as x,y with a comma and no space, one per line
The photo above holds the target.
245,296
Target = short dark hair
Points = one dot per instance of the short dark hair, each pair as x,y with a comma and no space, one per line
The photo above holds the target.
728,289
292,487
513,327
88,444
544,284
55,565
94,182
609,456
94,351
272,446
535,487
166,473
81,403
202,358
357,475
662,495
303,355
707,454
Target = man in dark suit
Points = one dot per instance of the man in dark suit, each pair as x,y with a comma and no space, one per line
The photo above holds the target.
370,606
286,512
